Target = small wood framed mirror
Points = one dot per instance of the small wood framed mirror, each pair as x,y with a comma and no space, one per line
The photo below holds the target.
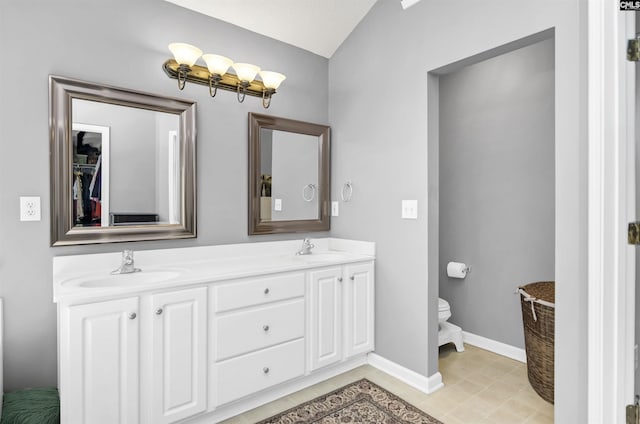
289,175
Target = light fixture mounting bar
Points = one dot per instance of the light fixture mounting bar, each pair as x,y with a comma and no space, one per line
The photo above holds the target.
200,75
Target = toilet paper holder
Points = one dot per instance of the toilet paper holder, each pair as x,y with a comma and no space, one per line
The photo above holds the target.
458,270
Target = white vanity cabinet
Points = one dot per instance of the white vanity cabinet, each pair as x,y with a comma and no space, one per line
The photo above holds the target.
325,320
341,313
134,360
177,373
359,308
202,334
258,328
99,362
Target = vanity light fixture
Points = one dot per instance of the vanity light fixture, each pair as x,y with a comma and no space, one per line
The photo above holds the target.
185,56
271,81
218,66
215,75
246,73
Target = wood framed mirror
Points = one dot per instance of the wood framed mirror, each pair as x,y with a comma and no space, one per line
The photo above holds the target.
289,175
122,164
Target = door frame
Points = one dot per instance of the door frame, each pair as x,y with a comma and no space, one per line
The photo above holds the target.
611,205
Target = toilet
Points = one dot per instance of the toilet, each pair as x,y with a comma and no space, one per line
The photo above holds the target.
447,332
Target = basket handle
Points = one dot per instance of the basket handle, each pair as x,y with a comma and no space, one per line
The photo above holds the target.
531,299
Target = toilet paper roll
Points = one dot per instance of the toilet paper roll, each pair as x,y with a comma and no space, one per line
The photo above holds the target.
457,270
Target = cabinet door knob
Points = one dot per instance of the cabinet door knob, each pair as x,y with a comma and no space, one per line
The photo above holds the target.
158,311
340,279
265,370
352,278
265,327
266,291
132,315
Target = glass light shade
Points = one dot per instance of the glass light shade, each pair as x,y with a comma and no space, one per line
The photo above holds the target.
272,79
185,54
217,64
246,71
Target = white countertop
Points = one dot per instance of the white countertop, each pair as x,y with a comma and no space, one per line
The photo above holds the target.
88,277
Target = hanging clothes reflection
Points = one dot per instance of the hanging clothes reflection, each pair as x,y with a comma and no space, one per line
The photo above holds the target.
87,182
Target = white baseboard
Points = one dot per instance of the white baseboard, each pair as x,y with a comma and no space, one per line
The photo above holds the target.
412,378
495,347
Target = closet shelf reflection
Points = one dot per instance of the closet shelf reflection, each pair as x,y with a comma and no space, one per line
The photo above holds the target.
83,166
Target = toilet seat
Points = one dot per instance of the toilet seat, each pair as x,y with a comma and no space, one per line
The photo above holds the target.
447,332
443,305
444,310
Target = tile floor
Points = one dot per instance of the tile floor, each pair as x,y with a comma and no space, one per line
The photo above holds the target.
480,387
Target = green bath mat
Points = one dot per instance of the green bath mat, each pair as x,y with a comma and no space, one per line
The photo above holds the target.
31,406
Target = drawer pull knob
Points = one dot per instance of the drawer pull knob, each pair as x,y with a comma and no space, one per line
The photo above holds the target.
266,291
158,311
340,279
265,370
132,315
352,278
265,327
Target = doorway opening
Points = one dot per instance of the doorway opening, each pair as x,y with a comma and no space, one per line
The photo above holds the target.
491,161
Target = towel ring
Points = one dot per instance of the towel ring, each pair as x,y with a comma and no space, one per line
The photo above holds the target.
347,191
305,189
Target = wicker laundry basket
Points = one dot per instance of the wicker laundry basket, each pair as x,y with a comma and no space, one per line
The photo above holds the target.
538,315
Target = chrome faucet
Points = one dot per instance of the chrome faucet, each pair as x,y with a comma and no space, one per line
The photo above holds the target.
127,266
306,247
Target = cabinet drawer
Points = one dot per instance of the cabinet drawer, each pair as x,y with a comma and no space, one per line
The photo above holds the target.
256,291
257,328
256,371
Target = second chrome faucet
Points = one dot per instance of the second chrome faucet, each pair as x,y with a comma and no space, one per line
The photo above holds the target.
127,266
306,247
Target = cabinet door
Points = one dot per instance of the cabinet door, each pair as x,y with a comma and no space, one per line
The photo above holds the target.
103,363
359,309
178,354
325,297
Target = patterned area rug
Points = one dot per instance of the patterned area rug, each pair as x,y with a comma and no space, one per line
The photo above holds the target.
361,402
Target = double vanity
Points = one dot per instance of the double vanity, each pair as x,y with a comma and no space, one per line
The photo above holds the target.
204,333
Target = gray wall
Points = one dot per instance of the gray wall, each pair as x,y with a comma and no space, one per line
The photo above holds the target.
266,150
380,142
117,43
294,165
497,187
134,165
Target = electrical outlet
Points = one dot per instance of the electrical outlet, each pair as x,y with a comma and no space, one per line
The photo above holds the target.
30,208
409,209
335,208
277,205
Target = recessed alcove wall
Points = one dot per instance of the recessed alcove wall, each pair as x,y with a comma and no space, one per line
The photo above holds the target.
497,186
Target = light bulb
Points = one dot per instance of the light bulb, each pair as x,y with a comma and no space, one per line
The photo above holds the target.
185,54
217,64
272,79
246,71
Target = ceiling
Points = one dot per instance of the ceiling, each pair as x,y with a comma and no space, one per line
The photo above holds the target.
319,26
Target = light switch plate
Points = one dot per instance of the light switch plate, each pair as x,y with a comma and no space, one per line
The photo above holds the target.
30,208
409,209
277,205
335,208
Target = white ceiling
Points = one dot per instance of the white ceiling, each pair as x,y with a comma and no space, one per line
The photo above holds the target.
319,26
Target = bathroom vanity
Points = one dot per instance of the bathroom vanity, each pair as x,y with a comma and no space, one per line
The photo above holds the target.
204,333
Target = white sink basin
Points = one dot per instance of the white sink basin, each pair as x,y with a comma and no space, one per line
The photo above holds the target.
133,279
